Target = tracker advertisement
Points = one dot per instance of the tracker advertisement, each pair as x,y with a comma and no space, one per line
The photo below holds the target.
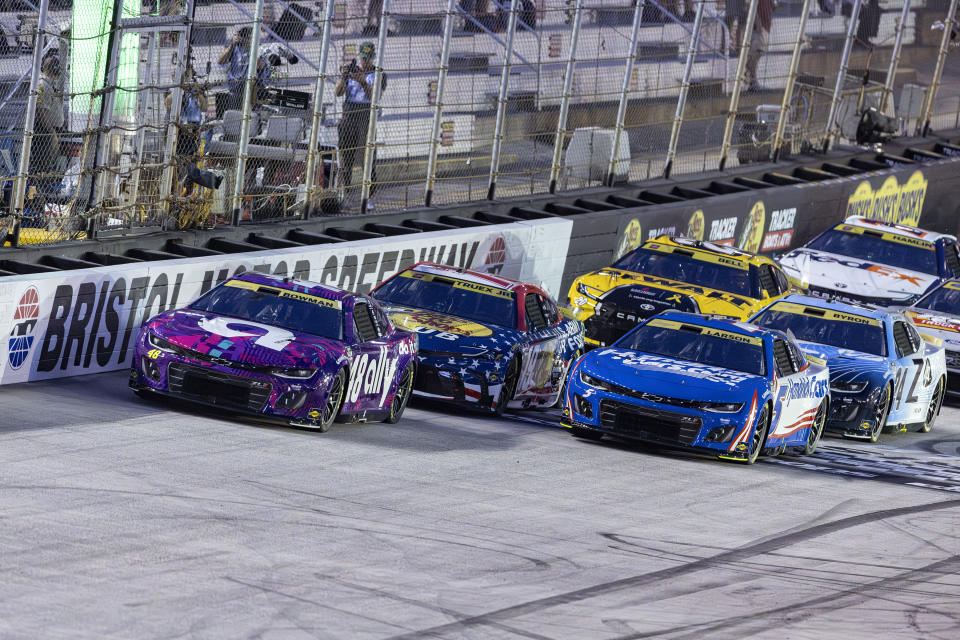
86,321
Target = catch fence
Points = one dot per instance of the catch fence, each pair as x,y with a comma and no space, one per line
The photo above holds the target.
124,116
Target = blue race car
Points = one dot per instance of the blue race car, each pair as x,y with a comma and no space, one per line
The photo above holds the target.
882,371
713,385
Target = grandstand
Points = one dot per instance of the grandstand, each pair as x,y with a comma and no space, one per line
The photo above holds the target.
118,166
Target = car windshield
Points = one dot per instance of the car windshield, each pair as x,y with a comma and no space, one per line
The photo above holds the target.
451,296
275,307
727,350
687,269
946,299
857,335
921,256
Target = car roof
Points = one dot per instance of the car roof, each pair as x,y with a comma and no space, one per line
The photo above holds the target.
293,284
478,277
711,248
835,305
902,230
718,322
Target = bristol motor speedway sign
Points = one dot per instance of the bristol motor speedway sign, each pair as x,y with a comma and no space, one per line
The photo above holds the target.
86,321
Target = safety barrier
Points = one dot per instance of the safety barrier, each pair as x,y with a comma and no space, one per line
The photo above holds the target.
85,321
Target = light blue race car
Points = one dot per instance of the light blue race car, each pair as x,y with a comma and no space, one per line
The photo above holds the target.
883,372
713,385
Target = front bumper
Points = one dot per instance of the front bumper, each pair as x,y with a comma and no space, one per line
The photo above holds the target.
232,390
853,414
640,420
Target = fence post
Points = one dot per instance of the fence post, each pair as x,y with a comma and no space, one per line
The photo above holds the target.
107,100
370,151
791,83
176,102
310,177
931,96
738,84
894,57
502,99
684,89
29,118
438,107
842,75
565,98
624,93
249,93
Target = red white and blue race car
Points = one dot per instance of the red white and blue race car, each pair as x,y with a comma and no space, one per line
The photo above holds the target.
938,314
484,339
870,262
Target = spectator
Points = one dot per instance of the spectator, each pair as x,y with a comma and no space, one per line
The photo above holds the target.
735,12
45,150
236,58
758,42
356,86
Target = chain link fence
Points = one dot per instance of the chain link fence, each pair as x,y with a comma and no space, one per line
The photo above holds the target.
180,114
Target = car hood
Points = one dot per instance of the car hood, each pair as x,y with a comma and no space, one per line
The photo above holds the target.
845,274
666,376
211,336
720,302
846,364
449,334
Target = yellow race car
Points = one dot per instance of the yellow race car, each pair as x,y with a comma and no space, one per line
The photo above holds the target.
673,273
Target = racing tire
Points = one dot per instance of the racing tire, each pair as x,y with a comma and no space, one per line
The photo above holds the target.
816,431
759,437
401,397
933,410
334,401
509,387
586,434
882,413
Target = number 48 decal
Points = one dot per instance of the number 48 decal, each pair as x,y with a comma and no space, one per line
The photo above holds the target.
900,383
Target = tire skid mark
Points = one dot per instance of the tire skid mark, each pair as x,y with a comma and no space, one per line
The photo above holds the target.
798,612
747,571
735,555
380,593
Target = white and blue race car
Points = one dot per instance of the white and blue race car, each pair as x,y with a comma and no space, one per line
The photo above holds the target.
869,262
883,373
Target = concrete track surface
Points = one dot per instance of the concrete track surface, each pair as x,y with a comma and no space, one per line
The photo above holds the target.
122,518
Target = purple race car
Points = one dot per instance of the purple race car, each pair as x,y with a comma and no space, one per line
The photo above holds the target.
280,348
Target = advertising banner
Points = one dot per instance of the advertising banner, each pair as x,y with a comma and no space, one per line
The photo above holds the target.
776,219
85,321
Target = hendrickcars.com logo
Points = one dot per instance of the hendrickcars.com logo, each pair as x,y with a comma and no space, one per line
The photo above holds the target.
892,202
24,320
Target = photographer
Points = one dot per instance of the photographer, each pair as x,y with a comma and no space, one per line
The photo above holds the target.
236,58
356,85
